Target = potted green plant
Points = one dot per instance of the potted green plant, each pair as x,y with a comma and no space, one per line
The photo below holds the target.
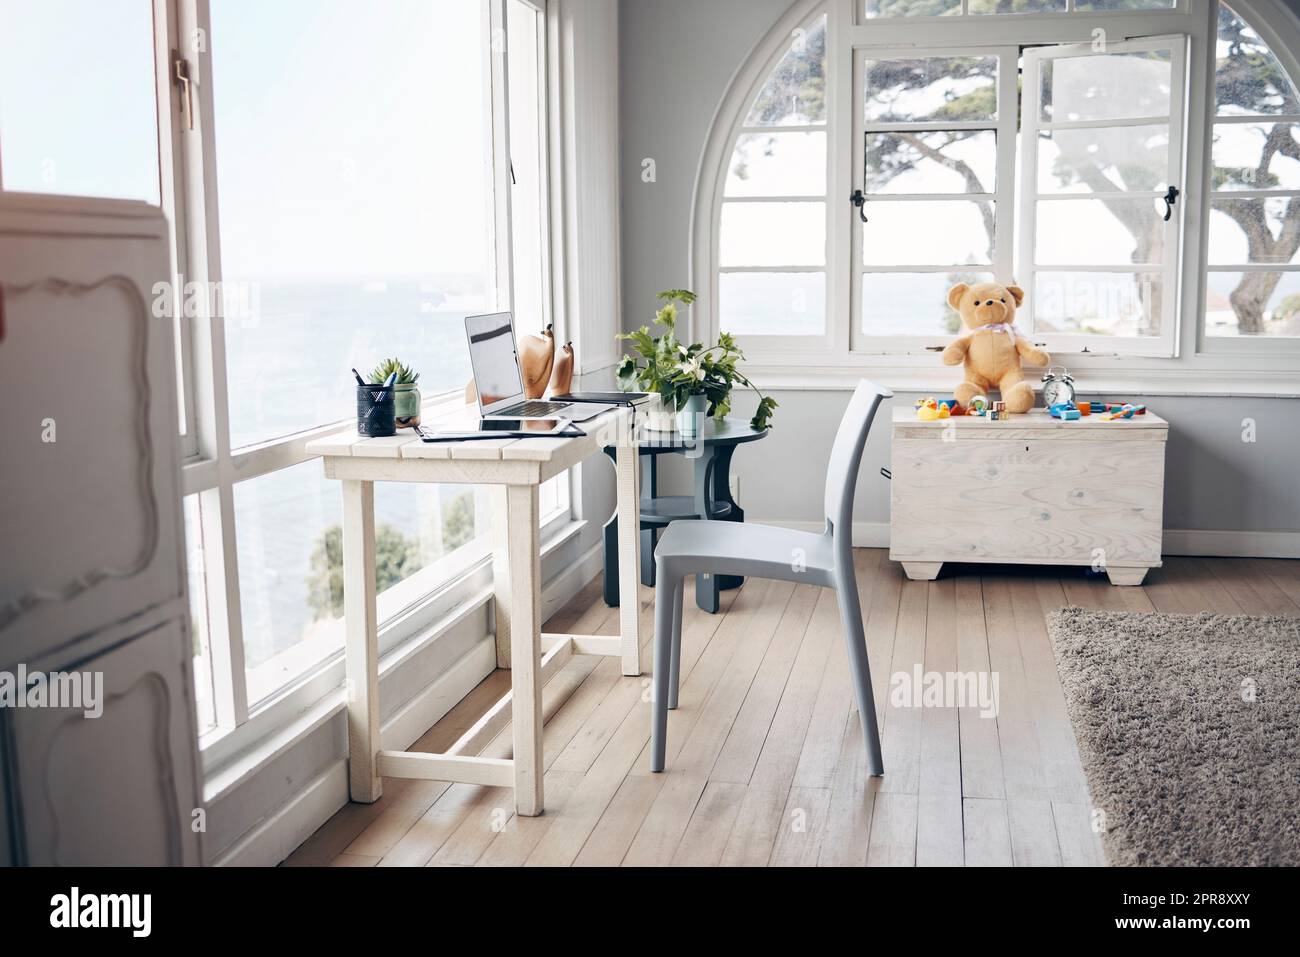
693,381
406,396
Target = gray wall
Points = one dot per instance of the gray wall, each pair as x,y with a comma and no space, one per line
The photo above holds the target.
676,60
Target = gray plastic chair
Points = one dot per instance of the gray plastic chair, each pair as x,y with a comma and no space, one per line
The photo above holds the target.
764,551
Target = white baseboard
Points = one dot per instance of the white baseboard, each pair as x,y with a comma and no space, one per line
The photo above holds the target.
1178,541
572,580
1227,544
274,838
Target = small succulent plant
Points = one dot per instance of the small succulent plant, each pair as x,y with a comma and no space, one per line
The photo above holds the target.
405,375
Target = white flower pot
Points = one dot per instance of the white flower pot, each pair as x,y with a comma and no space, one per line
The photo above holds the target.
690,420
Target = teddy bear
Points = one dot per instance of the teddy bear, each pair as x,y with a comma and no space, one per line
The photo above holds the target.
992,347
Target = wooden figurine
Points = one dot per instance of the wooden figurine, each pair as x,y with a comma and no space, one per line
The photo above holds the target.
536,361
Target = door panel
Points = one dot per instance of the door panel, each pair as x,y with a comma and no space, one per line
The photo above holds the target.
132,767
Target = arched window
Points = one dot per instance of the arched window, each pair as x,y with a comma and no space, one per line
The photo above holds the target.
1134,165
772,220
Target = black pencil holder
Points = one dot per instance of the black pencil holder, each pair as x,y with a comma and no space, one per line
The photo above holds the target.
376,411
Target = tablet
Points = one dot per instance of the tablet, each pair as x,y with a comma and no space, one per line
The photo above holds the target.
491,429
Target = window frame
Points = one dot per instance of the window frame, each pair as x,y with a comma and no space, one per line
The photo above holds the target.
211,468
1262,368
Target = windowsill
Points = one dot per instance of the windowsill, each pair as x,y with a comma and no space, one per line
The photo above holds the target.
1135,375
231,758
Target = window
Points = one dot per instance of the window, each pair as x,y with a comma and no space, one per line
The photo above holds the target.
362,211
1101,146
930,172
528,166
78,107
772,247
1253,278
353,226
1068,146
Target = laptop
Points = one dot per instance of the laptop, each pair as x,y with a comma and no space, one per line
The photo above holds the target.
499,382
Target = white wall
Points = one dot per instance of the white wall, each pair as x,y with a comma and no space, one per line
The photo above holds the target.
677,58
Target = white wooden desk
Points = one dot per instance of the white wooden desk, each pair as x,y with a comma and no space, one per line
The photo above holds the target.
518,467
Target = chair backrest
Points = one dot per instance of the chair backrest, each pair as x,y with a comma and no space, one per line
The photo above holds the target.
846,456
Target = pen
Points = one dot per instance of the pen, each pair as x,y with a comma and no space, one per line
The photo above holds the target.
360,381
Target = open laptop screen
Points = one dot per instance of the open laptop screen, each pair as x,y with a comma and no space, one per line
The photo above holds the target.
492,354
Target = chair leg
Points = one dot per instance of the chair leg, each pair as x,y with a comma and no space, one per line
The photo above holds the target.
664,614
675,669
846,591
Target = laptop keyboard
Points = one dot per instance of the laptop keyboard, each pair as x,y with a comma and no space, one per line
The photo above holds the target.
532,409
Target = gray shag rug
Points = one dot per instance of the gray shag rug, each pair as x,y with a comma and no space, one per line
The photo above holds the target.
1189,731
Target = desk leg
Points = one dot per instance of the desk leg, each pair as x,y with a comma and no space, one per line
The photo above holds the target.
722,493
525,604
362,640
706,584
629,540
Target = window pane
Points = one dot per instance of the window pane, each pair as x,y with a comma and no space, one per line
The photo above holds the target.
78,105
931,89
773,304
778,164
1112,86
912,8
773,234
1255,231
795,94
289,529
1096,232
200,633
354,226
1109,159
1256,156
1016,6
1253,304
288,577
928,233
1097,303
1249,78
531,309
912,304
961,161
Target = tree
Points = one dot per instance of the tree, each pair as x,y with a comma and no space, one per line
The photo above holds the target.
396,559
458,522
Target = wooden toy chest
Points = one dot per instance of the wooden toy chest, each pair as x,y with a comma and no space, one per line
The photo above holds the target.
1032,490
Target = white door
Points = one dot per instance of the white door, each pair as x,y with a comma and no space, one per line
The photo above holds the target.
92,569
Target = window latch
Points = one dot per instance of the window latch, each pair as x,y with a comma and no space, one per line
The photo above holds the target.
181,74
859,199
1169,199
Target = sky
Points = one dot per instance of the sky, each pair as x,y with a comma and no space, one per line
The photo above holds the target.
350,146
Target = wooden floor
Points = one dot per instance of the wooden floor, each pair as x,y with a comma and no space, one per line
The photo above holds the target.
765,757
